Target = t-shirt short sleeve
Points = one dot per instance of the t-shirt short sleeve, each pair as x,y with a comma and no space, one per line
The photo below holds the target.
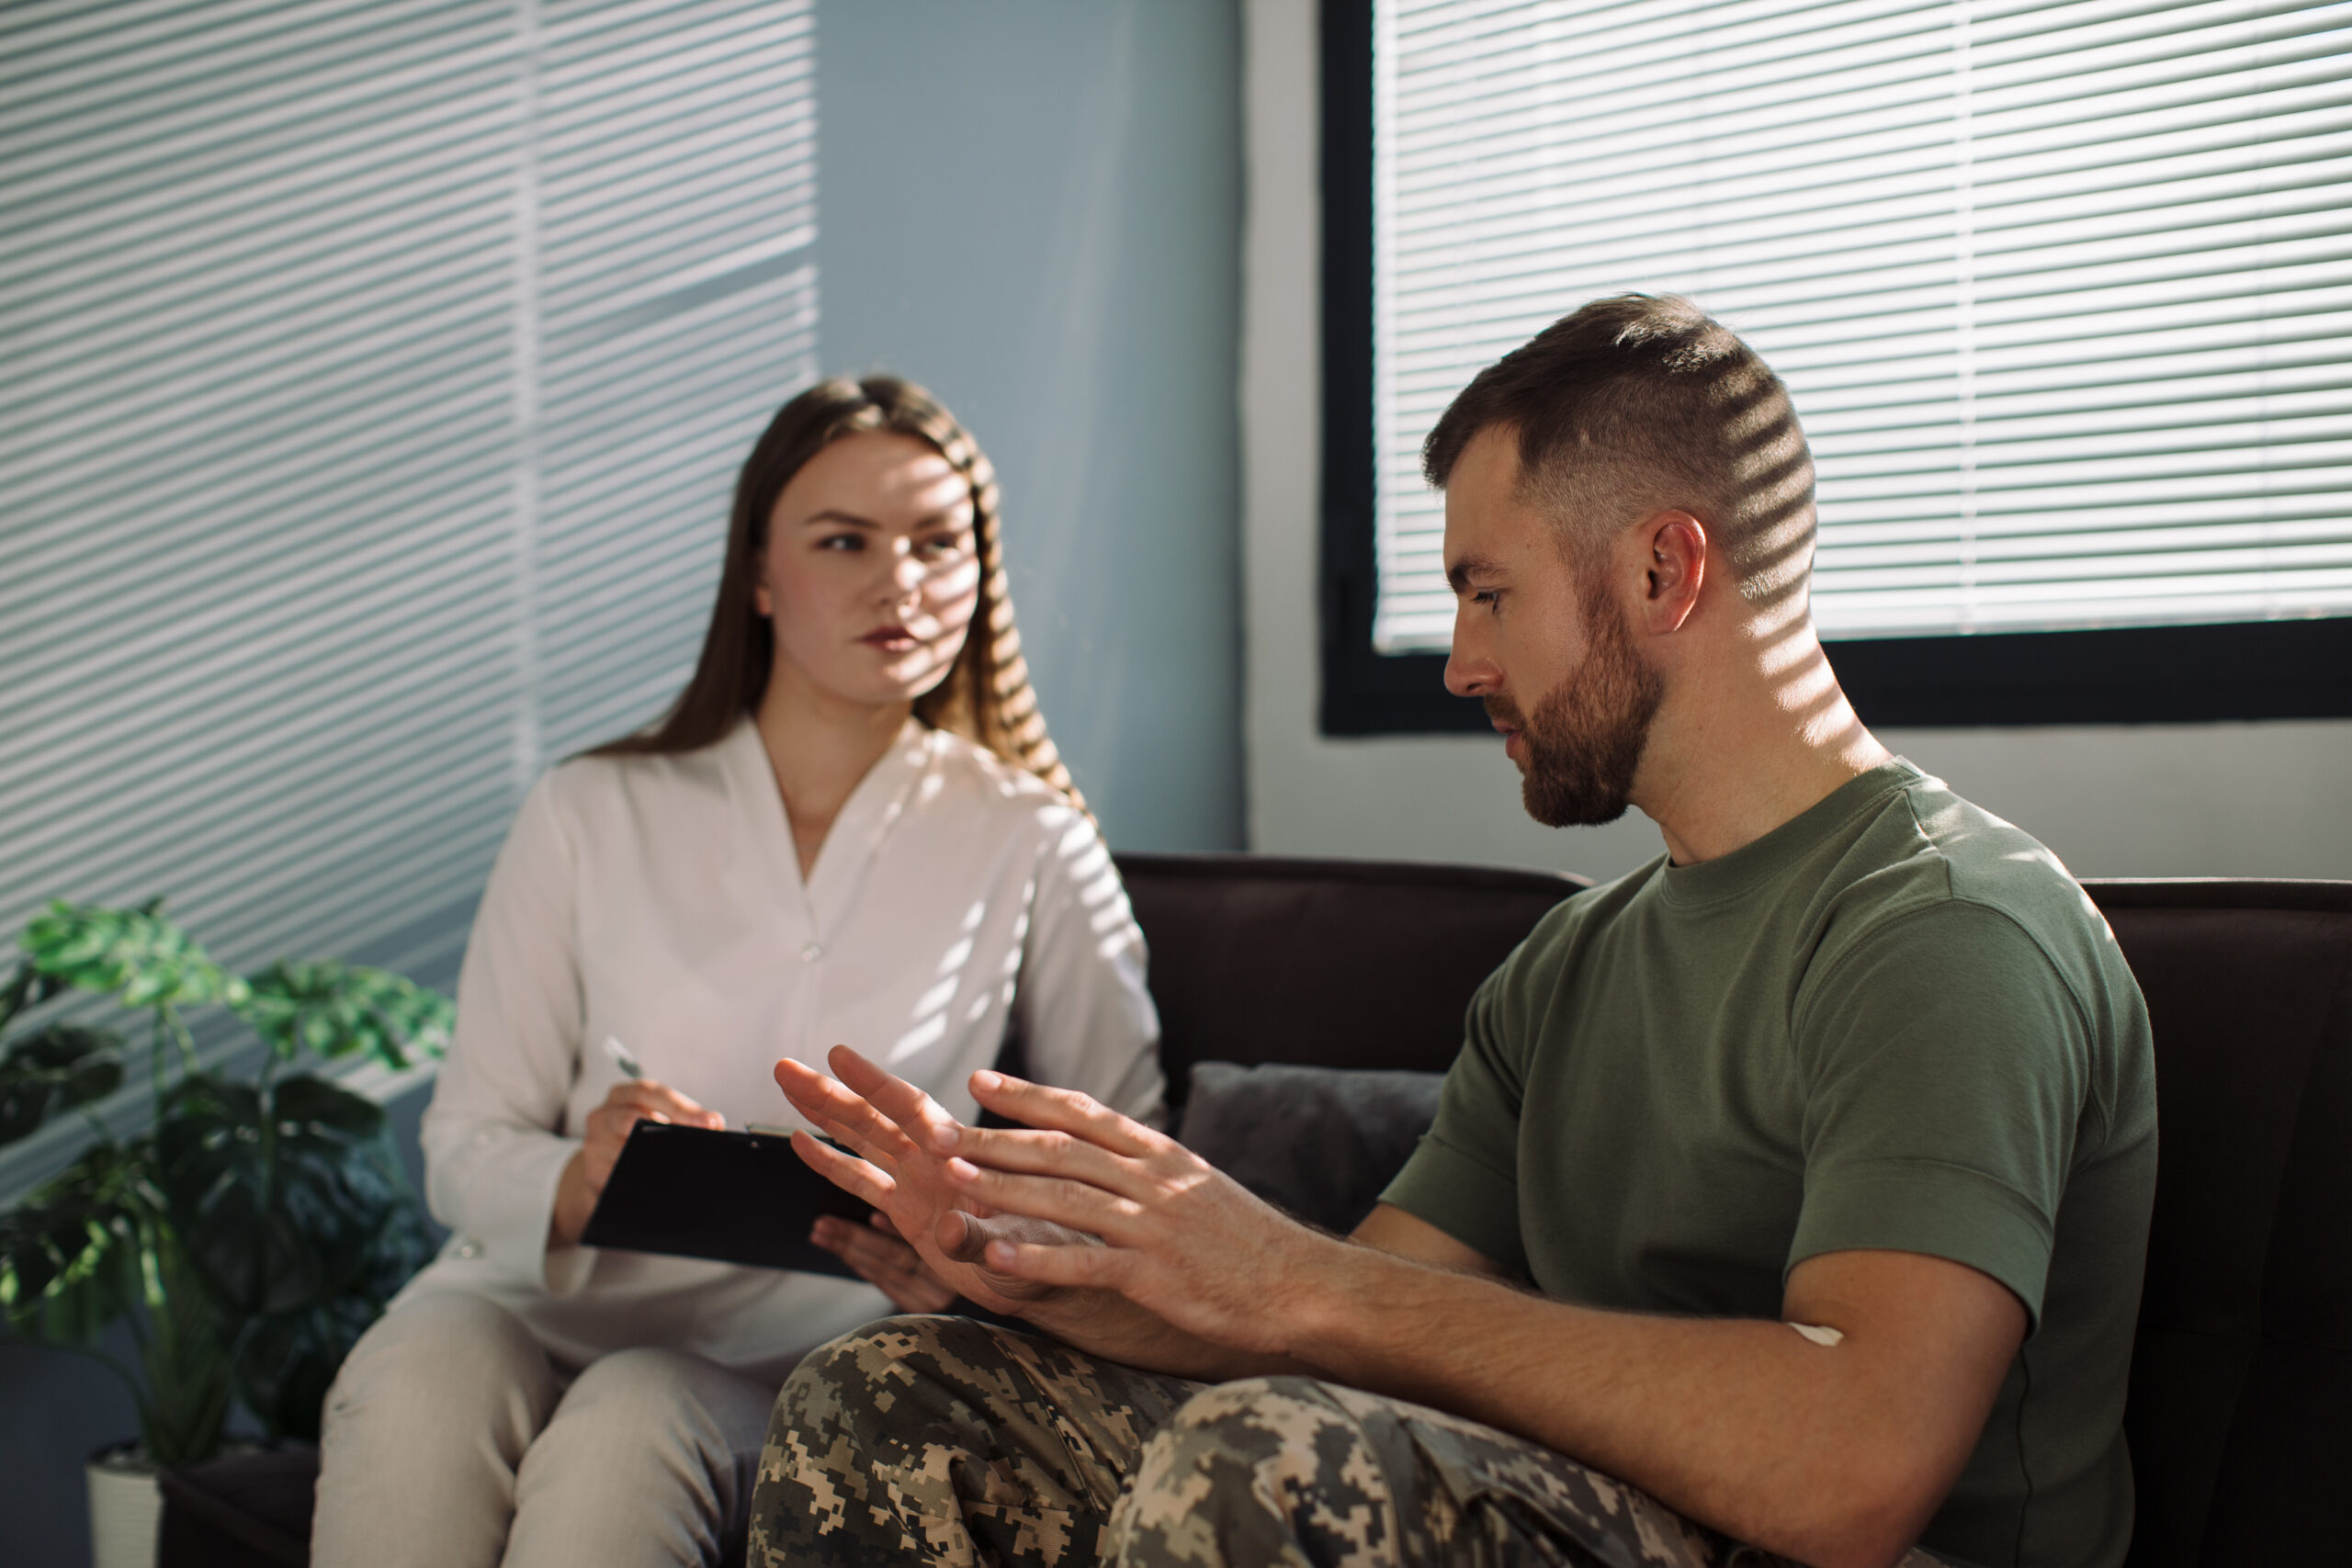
1463,1176
1944,1064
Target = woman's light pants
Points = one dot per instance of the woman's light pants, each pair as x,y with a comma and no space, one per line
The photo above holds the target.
450,1439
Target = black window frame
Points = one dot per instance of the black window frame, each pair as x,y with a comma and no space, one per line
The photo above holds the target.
2231,670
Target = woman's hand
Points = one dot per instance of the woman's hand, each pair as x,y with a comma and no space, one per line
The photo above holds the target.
885,1261
631,1101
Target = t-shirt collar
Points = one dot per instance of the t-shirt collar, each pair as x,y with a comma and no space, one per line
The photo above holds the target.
1756,862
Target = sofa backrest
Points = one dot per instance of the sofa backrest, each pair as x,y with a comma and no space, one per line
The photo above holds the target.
2240,1406
1333,963
2241,1410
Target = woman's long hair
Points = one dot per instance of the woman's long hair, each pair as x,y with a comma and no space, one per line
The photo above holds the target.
986,696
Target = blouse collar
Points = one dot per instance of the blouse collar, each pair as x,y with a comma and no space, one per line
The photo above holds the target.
762,830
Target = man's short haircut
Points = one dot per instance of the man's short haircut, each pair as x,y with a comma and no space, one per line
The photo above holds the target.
1637,404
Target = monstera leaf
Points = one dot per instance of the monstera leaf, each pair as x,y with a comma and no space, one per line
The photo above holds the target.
286,1362
337,1009
139,954
253,1233
77,1254
269,1186
27,988
292,1207
53,1069
91,1248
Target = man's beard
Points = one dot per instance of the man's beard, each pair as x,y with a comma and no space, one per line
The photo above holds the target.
1585,738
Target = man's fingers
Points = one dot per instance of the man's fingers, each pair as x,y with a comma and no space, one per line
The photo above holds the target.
1064,1111
961,1236
964,1236
1079,1267
1064,1202
962,1233
1024,1152
839,1109
842,1112
914,1112
851,1175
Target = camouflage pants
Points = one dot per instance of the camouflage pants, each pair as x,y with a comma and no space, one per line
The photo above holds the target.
941,1439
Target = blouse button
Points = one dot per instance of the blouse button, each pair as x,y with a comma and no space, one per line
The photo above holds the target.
469,1247
810,953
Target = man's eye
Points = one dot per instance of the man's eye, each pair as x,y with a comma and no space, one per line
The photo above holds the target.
1488,596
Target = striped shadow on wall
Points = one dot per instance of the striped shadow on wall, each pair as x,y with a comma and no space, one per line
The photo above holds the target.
375,378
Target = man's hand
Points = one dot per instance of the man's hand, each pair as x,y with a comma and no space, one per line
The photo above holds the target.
631,1101
1832,1455
1178,1237
900,1168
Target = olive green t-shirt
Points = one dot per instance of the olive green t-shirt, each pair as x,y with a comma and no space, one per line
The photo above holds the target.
1894,1021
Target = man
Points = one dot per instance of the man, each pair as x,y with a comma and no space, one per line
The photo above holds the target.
1826,1142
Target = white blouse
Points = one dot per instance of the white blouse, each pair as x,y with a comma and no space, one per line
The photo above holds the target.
659,900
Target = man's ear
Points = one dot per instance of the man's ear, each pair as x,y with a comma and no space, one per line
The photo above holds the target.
1675,545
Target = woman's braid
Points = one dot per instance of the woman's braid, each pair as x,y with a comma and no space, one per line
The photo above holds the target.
1011,724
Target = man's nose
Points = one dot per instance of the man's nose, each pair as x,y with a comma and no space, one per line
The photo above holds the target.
1469,671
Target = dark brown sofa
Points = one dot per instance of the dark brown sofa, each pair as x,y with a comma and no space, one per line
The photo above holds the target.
2241,1408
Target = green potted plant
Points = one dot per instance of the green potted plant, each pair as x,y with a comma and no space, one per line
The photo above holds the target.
251,1229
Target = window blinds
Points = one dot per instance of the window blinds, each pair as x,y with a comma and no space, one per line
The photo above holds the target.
2063,292
376,377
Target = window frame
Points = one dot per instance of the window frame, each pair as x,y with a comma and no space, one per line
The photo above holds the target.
2228,671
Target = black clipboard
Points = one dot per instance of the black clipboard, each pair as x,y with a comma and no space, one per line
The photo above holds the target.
732,1197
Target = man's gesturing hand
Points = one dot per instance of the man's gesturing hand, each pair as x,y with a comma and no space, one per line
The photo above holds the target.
1176,1236
900,1168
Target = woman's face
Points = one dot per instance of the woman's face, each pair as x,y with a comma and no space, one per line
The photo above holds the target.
870,575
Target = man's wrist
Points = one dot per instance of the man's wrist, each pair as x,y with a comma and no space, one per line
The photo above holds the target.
1339,1310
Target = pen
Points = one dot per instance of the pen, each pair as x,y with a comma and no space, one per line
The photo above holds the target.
621,1058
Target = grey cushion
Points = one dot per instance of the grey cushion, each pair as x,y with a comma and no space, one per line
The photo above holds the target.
1320,1142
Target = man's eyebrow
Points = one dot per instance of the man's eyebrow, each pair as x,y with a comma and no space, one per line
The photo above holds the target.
1467,567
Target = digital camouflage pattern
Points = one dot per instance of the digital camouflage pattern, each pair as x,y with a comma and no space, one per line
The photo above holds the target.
944,1440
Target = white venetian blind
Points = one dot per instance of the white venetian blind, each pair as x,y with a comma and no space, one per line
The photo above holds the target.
2063,292
375,378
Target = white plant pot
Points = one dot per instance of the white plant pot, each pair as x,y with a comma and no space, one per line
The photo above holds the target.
126,1508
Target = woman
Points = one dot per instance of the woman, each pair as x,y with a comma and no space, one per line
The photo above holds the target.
851,828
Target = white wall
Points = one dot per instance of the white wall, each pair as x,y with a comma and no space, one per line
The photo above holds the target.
2271,799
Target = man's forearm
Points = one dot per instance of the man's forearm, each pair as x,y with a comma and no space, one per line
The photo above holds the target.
1742,1424
1106,1324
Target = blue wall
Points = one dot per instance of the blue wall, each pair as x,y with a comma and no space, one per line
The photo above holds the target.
1032,207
